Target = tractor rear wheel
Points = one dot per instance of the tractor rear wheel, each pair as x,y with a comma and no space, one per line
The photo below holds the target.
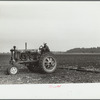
47,63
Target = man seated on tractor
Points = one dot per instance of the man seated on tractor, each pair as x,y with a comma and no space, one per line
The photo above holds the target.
45,48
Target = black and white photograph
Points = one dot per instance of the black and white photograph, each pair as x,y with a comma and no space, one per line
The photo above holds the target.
49,42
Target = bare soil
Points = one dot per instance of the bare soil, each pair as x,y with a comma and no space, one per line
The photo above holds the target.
63,74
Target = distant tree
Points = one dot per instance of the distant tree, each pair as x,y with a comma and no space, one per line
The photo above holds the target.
84,50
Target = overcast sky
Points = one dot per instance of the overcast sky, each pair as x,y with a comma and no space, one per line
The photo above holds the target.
62,25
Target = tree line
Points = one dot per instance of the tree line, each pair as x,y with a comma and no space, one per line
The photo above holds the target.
84,50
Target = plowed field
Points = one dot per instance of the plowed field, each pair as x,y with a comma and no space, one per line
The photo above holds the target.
78,69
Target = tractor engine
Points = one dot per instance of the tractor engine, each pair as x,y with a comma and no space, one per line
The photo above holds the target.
24,55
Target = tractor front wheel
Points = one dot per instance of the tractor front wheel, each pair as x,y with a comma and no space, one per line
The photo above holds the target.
12,70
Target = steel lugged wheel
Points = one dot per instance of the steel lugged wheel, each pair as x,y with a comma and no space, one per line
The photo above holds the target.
12,70
47,63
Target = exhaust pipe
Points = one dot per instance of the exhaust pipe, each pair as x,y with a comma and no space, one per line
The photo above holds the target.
25,45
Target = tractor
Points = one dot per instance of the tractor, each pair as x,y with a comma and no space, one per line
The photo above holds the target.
40,60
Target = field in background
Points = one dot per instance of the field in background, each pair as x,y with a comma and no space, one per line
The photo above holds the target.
4,60
80,60
72,68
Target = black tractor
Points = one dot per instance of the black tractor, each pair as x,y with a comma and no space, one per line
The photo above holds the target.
40,60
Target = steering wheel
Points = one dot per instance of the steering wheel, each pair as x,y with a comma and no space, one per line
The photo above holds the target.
40,47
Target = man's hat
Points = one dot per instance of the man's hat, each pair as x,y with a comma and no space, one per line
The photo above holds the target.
44,43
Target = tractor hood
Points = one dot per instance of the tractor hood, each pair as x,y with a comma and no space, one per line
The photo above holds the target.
23,50
28,50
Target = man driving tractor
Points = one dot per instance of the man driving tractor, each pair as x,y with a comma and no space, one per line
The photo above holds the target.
45,48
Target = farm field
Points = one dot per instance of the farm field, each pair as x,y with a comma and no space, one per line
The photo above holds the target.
80,68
